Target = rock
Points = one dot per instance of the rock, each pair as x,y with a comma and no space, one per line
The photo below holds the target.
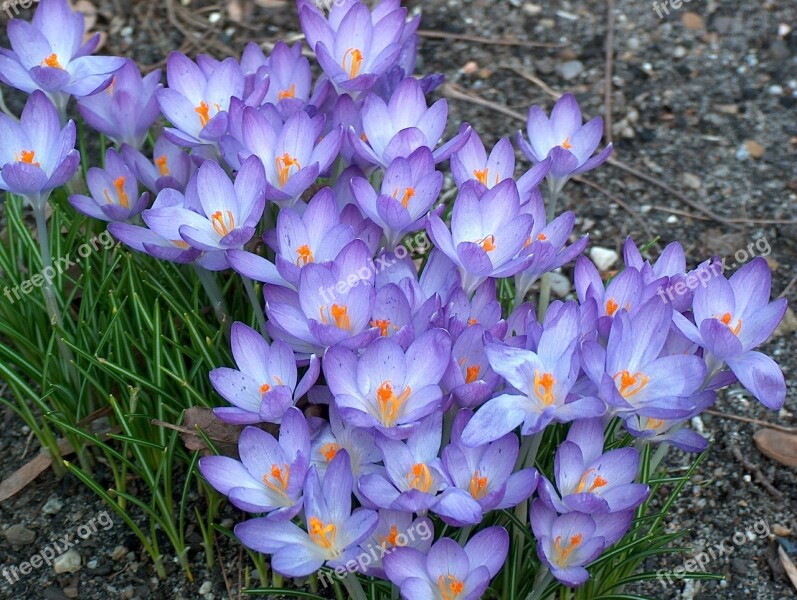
692,181
53,506
470,67
780,530
68,562
603,258
18,535
775,90
71,591
754,149
532,9
206,588
118,553
570,70
692,21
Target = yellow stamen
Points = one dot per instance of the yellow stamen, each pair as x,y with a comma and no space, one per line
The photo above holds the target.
481,176
654,423
305,255
389,540
472,321
340,314
180,244
284,164
488,243
478,486
543,387
726,320
323,535
356,62
163,165
472,373
563,553
408,194
27,157
289,93
598,482
277,480
420,478
383,325
111,89
203,110
631,385
223,223
52,62
451,590
389,404
566,144
328,451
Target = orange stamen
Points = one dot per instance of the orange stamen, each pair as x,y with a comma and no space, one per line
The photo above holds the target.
389,540
356,62
328,451
284,164
277,480
323,535
726,320
420,478
382,325
265,388
389,404
598,482
203,110
472,373
481,176
488,243
223,223
451,590
563,553
408,194
566,144
339,313
631,385
478,486
289,93
611,306
543,387
305,255
163,165
52,62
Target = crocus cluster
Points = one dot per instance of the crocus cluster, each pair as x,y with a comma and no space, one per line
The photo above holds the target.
381,306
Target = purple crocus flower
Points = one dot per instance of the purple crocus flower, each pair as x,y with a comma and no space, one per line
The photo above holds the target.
672,431
413,476
270,476
354,46
544,379
170,167
482,477
469,377
396,529
216,215
48,54
731,318
566,543
36,155
196,102
449,571
402,125
293,156
127,109
565,139
357,441
332,532
264,385
332,304
386,387
487,233
291,78
671,264
114,192
409,189
589,481
631,373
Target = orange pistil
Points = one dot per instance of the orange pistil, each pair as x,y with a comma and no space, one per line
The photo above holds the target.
408,194
481,176
451,590
223,223
383,325
472,373
389,403
305,255
566,144
563,553
180,244
611,306
597,482
420,478
203,110
119,185
289,93
654,423
328,451
323,535
356,62
472,321
264,388
284,164
389,540
630,385
478,486
340,314
52,62
726,320
162,163
277,480
27,157
543,387
488,243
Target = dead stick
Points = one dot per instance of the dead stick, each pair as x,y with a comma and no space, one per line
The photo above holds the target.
607,91
766,424
760,477
442,35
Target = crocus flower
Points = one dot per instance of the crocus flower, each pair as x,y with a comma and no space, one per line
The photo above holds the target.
544,380
170,167
216,215
332,304
469,377
409,189
565,139
36,155
270,476
566,543
293,156
264,385
127,109
731,318
402,125
631,373
291,77
332,532
386,387
357,441
449,571
487,233
590,481
114,192
671,264
482,478
352,46
672,431
396,529
48,54
196,103
413,476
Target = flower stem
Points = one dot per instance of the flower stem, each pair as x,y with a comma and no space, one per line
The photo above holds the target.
544,577
261,319
353,586
545,284
214,293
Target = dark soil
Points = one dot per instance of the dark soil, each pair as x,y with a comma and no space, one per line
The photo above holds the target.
696,99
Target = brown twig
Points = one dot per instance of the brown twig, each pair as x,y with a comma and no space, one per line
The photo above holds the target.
760,477
788,287
221,566
607,91
766,424
463,37
535,80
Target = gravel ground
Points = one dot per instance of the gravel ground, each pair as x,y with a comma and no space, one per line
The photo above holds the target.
703,100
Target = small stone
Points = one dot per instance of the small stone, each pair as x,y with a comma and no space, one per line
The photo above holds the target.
53,506
603,258
692,181
70,591
470,67
571,69
672,220
775,90
68,562
205,588
118,553
18,535
692,21
560,285
754,149
679,52
780,530
214,17
532,9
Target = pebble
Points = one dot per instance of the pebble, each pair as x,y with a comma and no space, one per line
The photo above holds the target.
532,9
780,530
71,591
754,149
679,52
672,219
53,506
571,69
18,535
775,90
692,181
118,553
692,21
68,562
205,588
603,258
